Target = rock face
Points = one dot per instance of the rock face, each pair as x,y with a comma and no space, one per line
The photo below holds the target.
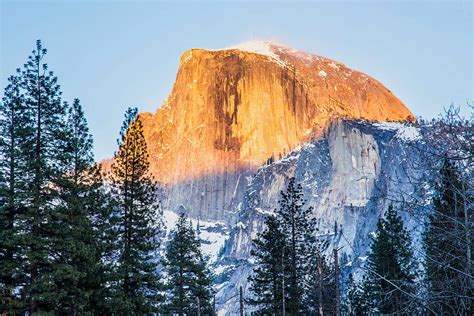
232,110
349,176
241,121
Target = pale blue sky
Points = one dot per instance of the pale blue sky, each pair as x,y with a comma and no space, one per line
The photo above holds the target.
115,54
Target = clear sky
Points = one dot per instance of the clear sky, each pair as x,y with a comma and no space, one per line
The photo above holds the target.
115,54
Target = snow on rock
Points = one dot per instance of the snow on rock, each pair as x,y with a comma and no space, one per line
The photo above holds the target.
222,269
341,175
213,234
264,211
259,47
404,132
240,225
333,65
188,57
204,160
170,220
409,133
322,73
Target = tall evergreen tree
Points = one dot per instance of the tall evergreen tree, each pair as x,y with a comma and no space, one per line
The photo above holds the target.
188,278
321,288
44,127
291,268
104,219
12,186
267,282
389,282
299,228
448,235
138,205
75,247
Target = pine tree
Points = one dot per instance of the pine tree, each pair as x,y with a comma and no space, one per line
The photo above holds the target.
44,131
355,298
75,245
51,199
291,268
12,185
188,278
447,263
138,205
203,283
267,282
321,290
389,282
298,225
104,219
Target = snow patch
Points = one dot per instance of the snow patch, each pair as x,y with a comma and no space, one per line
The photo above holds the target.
404,132
257,47
261,48
241,225
333,65
213,234
264,212
323,74
188,57
409,133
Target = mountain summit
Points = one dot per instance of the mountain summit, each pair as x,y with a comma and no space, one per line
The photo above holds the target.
233,109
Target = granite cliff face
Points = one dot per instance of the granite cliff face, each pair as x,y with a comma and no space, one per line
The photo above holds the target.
349,176
232,110
241,121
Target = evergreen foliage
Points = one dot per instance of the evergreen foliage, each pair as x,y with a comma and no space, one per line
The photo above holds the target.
356,298
136,279
321,292
44,135
291,269
299,228
446,242
188,278
12,186
55,216
268,278
389,284
77,259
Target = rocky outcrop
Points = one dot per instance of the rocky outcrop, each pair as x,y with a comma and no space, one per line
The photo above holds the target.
349,176
239,122
232,110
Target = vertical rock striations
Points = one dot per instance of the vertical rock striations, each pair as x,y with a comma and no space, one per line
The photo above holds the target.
232,110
